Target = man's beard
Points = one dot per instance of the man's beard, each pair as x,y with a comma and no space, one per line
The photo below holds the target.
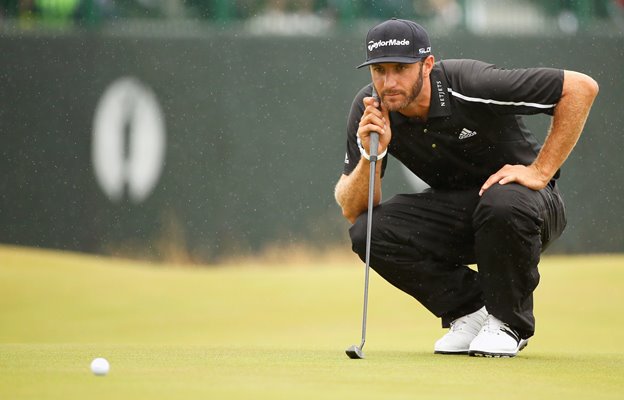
416,88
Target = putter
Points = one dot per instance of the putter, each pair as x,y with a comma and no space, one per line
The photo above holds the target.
355,352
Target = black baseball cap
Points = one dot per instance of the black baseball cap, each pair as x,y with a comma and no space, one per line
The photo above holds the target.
396,41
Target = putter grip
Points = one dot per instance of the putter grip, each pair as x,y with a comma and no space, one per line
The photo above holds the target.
374,145
374,136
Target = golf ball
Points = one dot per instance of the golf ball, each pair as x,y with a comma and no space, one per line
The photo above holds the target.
100,366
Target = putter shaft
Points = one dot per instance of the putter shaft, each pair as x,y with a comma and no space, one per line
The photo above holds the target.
374,143
355,352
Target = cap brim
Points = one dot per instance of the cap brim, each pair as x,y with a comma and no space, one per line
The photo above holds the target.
402,60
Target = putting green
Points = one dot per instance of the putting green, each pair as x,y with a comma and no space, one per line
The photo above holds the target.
280,332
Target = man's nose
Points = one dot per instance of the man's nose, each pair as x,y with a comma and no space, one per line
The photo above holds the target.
389,80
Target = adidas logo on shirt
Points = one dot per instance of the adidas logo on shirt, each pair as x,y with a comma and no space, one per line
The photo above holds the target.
465,133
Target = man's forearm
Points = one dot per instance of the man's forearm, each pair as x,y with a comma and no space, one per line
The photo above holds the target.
568,121
351,191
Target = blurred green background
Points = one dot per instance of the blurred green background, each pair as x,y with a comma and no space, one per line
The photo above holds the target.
197,131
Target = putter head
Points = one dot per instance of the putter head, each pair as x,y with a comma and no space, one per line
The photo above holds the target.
354,352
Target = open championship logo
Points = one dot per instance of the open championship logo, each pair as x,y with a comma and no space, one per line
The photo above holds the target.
128,148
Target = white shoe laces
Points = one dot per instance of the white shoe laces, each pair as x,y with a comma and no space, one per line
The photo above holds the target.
493,324
496,326
463,322
457,325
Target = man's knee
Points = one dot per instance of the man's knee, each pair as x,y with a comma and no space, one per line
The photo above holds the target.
358,235
507,205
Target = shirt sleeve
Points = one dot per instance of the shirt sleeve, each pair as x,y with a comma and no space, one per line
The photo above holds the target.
505,91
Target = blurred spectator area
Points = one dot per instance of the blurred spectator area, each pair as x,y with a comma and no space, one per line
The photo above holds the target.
316,16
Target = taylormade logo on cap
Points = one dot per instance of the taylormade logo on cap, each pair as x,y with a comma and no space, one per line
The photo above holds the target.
372,45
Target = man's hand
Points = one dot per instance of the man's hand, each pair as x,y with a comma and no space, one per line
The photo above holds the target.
374,120
352,190
578,94
528,176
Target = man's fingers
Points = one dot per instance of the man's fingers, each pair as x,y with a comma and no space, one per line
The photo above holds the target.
507,179
372,111
370,102
373,119
368,128
507,174
371,122
491,180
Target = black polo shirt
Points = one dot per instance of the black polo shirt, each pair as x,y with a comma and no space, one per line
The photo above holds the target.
474,126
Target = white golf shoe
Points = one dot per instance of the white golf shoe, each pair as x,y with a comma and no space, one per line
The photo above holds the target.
462,332
496,339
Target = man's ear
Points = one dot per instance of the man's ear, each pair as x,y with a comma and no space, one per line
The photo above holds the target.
428,65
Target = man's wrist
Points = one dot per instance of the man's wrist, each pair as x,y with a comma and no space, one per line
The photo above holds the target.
543,176
366,155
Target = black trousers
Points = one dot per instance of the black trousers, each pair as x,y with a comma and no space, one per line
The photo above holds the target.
422,244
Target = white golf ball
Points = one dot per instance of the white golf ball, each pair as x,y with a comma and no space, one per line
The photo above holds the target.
100,366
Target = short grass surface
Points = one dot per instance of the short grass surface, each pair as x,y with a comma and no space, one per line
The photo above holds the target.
262,332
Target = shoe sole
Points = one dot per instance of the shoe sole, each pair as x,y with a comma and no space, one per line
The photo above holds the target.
479,353
490,355
451,353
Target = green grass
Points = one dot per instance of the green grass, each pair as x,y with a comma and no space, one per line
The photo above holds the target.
258,332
